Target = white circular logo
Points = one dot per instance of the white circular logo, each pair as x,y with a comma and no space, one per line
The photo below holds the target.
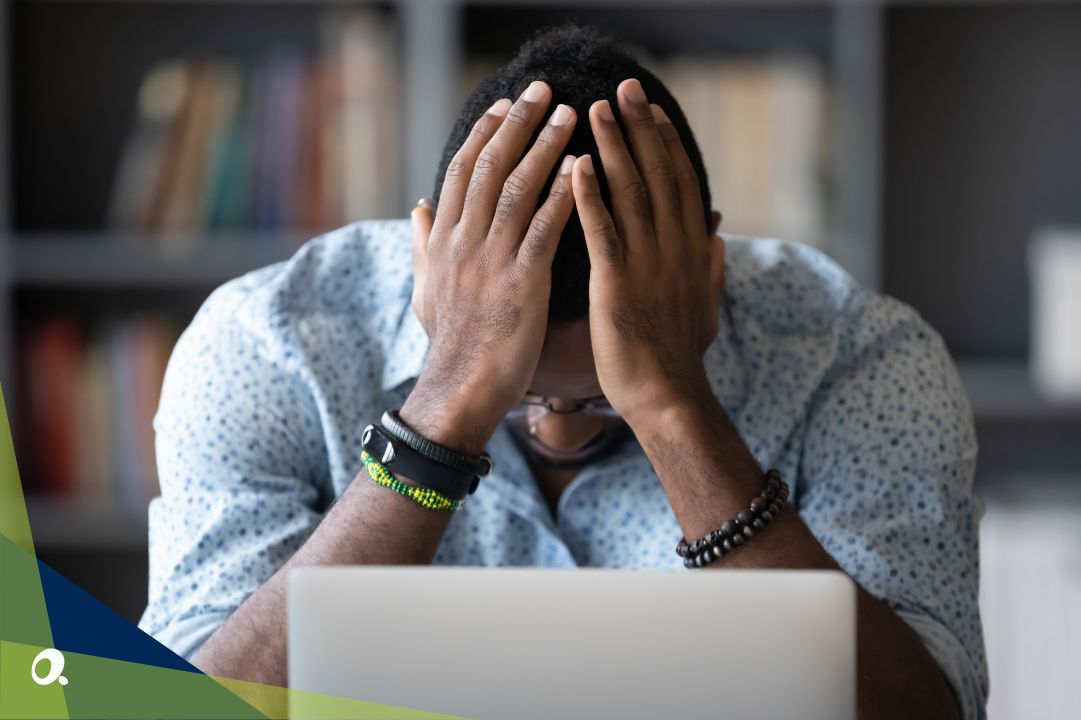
56,666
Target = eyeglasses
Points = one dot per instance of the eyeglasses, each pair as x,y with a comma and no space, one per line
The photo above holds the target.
596,406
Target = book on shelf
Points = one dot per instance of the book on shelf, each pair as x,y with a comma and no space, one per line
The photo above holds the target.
288,143
761,125
90,399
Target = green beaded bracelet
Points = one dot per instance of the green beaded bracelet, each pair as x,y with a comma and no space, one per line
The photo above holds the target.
427,497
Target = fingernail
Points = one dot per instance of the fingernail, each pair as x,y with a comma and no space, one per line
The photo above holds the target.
566,165
561,116
634,92
500,107
587,165
422,202
605,111
534,92
658,114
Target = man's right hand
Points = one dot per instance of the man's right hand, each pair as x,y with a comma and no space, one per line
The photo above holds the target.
483,270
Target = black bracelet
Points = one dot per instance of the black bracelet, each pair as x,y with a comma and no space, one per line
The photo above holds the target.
734,533
480,466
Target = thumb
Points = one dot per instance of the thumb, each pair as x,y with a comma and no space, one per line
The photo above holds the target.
421,219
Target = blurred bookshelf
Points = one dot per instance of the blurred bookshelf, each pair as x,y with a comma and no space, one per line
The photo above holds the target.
152,149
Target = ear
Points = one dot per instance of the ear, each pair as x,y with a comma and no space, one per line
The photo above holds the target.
421,218
715,221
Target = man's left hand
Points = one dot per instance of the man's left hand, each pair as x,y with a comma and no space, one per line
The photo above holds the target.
657,276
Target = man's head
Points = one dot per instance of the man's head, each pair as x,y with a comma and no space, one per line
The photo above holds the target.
581,65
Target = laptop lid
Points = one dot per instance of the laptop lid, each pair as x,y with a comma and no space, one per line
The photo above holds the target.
523,643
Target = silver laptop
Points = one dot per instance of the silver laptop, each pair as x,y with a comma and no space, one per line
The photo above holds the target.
524,643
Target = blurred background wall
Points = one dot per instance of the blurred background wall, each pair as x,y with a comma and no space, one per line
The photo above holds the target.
152,149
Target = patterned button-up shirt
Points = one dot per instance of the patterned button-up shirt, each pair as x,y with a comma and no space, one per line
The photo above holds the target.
849,393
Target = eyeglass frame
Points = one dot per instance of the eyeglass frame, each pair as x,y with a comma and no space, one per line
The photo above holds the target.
587,405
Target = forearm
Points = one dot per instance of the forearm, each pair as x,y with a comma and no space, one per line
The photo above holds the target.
366,525
709,475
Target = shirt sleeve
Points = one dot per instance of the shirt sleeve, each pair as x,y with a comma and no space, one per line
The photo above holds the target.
886,484
238,443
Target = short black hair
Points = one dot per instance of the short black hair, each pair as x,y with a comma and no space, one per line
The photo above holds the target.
582,64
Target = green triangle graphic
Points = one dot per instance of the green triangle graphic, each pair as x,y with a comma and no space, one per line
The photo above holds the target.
22,604
110,689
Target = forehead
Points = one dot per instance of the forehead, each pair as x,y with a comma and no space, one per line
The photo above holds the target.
566,368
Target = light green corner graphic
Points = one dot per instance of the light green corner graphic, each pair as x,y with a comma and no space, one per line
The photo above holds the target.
13,520
22,604
277,702
105,688
109,689
20,696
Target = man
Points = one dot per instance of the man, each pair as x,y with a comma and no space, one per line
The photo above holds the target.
628,397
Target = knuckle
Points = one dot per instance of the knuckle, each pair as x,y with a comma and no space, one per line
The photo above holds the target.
487,162
672,211
484,126
560,189
515,186
547,137
668,132
541,226
456,168
635,190
519,113
504,209
484,260
533,245
603,230
662,169
609,241
643,120
688,177
608,233
456,252
671,196
474,192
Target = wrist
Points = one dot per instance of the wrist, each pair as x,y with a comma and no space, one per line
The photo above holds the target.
666,403
448,421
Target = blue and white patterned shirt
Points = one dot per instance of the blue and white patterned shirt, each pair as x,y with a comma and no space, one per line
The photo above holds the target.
850,394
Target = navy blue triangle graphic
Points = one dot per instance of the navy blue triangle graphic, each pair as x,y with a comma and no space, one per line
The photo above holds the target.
82,624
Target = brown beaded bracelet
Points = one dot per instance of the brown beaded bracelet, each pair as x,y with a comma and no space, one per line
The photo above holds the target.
739,529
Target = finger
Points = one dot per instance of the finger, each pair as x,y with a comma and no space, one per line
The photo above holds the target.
630,201
421,219
501,153
542,236
603,243
715,217
518,201
690,190
650,153
460,168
